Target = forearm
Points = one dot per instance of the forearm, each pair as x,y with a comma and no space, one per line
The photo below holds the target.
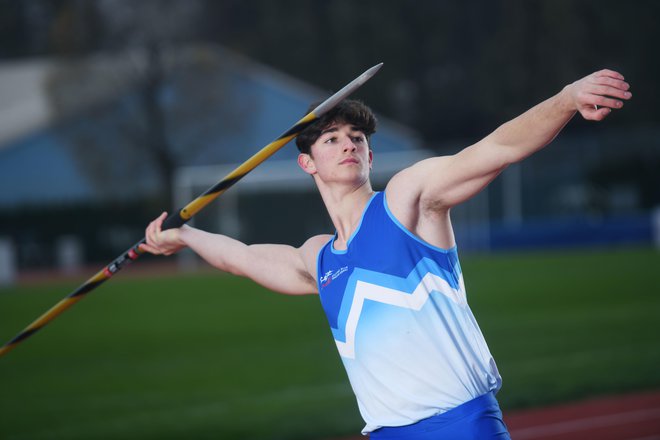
444,182
594,96
220,251
533,129
277,267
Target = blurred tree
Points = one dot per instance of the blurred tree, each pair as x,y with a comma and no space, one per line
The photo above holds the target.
139,96
454,69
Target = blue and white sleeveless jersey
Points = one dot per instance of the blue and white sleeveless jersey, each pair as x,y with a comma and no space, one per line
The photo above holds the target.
398,313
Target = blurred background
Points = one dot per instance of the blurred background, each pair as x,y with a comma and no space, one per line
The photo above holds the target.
112,111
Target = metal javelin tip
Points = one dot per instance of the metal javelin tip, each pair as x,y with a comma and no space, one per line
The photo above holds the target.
349,88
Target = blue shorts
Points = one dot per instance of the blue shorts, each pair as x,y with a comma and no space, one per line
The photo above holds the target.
478,419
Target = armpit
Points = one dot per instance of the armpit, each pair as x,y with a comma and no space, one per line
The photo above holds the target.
306,278
432,208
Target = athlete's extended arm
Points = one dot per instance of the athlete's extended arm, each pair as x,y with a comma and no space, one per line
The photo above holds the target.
281,268
444,182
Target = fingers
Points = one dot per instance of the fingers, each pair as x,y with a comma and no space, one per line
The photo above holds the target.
154,229
152,250
607,86
617,91
599,93
601,101
609,73
609,81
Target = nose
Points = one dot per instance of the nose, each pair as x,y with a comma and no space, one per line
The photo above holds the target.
349,145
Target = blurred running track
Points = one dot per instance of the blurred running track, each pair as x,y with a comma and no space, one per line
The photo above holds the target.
627,417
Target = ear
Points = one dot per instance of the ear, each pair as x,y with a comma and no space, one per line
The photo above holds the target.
306,163
371,158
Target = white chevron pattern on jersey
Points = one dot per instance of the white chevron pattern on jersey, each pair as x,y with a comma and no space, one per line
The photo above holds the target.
415,301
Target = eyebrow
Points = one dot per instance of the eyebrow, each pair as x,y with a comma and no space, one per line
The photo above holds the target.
329,130
335,128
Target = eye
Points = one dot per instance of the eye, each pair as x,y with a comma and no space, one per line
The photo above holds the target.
330,140
358,139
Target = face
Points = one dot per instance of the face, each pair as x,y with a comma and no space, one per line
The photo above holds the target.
341,153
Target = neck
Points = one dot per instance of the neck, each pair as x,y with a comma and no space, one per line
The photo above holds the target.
345,206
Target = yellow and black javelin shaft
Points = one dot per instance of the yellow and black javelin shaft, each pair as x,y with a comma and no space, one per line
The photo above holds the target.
179,218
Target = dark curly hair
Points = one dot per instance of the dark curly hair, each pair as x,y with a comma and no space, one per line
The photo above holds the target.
349,111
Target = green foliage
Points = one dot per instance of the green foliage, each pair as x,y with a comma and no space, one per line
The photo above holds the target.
212,356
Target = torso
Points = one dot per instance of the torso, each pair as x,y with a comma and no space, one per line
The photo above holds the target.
397,309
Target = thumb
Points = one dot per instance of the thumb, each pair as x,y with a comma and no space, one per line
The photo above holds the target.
159,221
595,113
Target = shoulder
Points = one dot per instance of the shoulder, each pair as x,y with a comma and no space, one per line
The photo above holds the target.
414,198
416,176
406,191
315,243
310,249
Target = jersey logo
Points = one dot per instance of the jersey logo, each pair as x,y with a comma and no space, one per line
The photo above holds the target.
410,293
332,275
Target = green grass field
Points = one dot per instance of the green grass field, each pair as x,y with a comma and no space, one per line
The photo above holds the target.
212,356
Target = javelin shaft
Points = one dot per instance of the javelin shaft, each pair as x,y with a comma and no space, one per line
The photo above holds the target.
212,193
186,213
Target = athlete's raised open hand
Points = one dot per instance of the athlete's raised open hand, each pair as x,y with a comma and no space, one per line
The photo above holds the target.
596,95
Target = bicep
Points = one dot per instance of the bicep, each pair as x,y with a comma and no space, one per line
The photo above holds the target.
282,268
444,182
277,267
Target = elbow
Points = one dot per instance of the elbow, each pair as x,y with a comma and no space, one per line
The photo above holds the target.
241,262
231,267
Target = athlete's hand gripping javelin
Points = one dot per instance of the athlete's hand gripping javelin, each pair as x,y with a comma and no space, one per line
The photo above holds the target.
161,242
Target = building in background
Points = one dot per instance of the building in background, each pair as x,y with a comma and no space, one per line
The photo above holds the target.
76,175
91,149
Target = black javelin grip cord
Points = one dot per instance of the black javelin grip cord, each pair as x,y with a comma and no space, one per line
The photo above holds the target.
179,218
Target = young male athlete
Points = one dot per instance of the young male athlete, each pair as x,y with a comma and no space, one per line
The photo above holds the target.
389,278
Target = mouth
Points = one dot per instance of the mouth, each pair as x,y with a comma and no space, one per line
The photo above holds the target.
349,160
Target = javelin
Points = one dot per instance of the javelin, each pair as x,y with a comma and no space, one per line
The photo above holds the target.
178,219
